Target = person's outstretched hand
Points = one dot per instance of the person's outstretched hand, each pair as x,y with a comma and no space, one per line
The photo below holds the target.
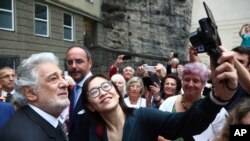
224,76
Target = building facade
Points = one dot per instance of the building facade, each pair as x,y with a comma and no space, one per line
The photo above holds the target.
146,29
33,26
229,15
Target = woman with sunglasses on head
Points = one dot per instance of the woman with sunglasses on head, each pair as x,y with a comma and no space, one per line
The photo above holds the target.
112,120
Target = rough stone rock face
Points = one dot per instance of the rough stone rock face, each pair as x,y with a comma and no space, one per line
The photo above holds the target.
148,29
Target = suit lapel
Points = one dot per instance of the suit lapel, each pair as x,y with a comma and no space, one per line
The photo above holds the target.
71,108
48,128
75,111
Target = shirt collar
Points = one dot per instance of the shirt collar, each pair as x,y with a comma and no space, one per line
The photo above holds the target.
4,93
83,80
63,115
52,120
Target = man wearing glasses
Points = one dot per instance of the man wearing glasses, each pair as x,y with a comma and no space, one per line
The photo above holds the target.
79,63
7,76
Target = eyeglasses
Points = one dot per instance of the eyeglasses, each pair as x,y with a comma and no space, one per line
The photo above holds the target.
95,92
77,61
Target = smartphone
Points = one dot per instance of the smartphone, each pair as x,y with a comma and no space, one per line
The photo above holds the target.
147,81
126,57
155,79
150,68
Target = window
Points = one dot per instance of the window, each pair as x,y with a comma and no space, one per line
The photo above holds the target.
41,20
10,61
90,28
6,15
91,1
68,26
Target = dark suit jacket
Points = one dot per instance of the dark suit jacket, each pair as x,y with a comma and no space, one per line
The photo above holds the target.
6,111
78,121
27,125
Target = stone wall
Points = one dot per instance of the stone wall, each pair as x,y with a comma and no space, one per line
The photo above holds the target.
147,29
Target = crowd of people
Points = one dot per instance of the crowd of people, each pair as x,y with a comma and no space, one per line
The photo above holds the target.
151,102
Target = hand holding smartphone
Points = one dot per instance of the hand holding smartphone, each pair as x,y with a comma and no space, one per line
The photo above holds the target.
147,81
150,68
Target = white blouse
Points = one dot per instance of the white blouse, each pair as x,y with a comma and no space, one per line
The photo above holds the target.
141,102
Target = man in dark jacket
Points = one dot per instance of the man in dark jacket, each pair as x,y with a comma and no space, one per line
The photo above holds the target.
43,95
79,63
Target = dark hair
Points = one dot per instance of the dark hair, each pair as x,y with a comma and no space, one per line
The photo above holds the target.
175,55
240,111
84,94
243,50
177,79
83,48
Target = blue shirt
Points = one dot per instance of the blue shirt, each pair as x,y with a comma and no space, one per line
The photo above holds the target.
245,40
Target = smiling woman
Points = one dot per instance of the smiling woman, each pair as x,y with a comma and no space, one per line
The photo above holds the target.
115,121
194,78
170,86
135,90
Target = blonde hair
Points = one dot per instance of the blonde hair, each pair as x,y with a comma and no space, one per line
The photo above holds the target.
135,79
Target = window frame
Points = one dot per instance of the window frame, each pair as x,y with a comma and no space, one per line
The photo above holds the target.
12,17
38,19
70,27
91,1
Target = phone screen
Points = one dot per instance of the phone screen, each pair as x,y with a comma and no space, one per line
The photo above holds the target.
150,68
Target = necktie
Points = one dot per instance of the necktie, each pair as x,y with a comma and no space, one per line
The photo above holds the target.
8,97
67,124
76,93
61,130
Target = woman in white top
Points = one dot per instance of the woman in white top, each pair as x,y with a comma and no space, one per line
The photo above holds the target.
194,78
120,82
135,90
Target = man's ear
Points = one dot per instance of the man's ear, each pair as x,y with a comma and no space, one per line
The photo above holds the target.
90,108
90,63
29,94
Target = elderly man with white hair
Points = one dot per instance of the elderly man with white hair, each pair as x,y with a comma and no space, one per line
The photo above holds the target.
41,90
